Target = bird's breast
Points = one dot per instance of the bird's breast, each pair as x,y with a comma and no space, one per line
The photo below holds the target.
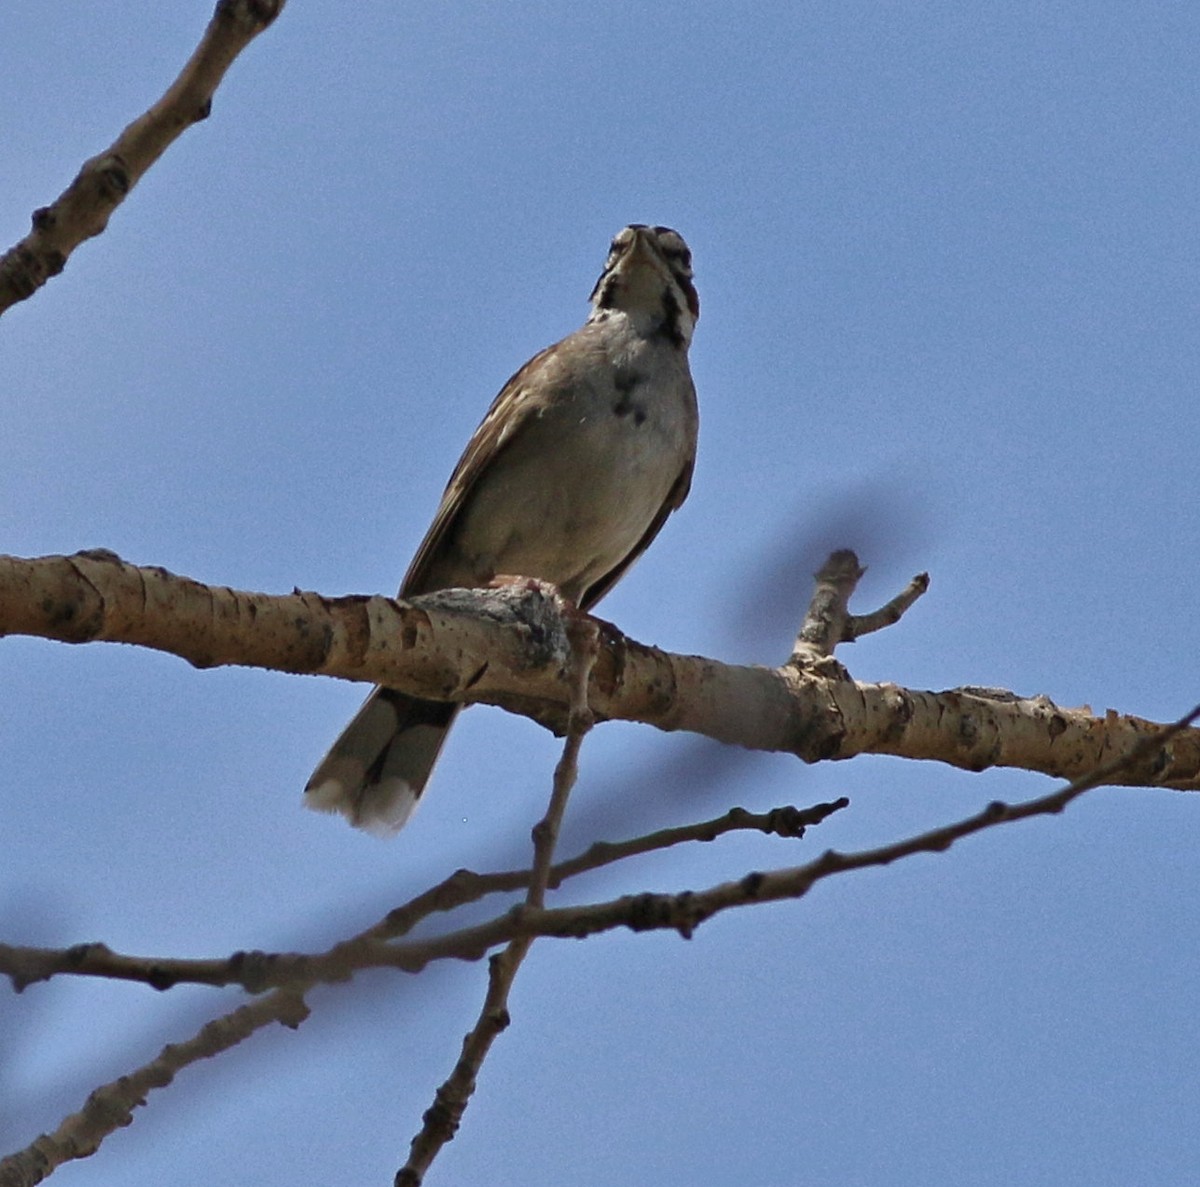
574,492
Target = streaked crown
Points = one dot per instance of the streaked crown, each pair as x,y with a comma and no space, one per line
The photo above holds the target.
648,276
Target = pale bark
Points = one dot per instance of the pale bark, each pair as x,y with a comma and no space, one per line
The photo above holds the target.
508,647
83,209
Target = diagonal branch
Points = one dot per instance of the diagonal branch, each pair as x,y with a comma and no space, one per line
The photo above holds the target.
680,912
83,209
111,1105
685,912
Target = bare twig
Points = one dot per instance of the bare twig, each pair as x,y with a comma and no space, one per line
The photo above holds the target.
829,622
684,912
83,209
110,1107
824,625
780,822
443,1117
257,971
887,615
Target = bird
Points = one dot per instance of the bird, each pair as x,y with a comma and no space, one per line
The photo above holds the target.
570,475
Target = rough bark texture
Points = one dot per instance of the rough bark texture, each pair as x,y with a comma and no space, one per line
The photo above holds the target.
508,647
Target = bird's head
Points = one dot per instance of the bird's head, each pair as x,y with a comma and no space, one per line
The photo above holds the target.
648,277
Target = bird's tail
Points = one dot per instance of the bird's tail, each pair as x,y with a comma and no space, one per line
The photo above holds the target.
375,772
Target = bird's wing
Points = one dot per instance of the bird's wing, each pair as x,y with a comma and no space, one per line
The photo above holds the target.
510,410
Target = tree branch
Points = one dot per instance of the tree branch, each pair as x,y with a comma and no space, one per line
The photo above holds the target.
83,209
111,1105
256,972
642,912
508,647
442,1119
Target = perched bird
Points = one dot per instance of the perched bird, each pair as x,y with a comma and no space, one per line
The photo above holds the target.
576,466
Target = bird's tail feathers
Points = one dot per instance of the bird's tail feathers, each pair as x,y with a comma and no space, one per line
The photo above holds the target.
375,772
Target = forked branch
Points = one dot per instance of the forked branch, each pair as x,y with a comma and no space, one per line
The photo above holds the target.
111,1105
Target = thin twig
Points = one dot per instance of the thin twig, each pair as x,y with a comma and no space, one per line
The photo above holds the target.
828,620
683,912
887,615
824,624
786,821
258,971
442,1119
110,1107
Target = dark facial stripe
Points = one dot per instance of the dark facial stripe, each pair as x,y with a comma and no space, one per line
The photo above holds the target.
604,295
669,329
678,260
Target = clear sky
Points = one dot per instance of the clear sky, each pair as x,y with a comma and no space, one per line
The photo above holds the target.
947,257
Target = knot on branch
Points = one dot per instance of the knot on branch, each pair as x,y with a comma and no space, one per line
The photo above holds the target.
251,16
679,912
110,174
533,608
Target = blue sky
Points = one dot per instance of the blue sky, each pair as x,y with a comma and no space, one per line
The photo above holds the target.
948,269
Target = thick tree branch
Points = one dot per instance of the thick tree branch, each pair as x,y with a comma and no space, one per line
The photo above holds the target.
508,647
83,209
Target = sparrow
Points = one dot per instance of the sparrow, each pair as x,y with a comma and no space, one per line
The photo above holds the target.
581,458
